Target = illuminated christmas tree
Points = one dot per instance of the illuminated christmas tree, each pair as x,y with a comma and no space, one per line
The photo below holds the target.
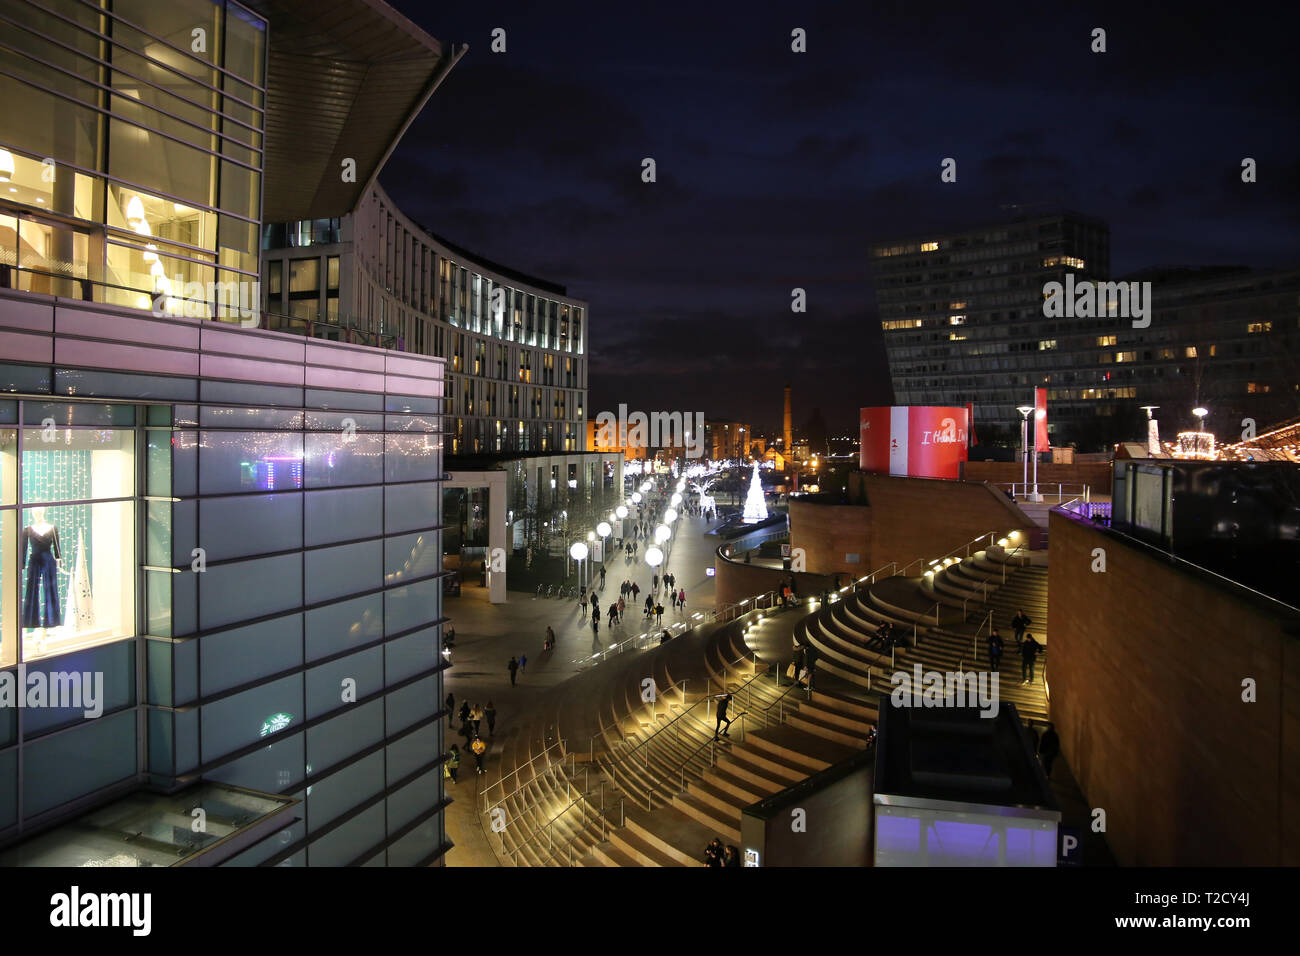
755,506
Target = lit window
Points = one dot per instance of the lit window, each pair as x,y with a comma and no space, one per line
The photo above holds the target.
956,305
956,337
1253,327
929,247
1126,356
1045,344
1104,340
1191,351
956,320
1256,387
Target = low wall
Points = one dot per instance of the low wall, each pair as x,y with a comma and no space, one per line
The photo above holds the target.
1094,474
926,517
734,581
1146,676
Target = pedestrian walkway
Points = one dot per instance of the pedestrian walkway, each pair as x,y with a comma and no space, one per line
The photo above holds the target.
488,635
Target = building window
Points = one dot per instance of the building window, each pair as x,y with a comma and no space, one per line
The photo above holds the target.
1105,340
929,247
1126,356
1045,344
1254,327
1256,388
67,529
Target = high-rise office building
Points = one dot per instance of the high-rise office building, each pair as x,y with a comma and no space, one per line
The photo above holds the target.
962,312
232,532
963,320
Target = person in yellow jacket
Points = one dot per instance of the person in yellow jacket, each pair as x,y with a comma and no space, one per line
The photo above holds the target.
452,763
479,749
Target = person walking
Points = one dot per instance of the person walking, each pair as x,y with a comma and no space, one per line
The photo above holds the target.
602,577
583,604
613,614
1048,748
724,701
523,663
490,712
476,717
1020,623
479,749
649,604
550,638
622,606
513,667
595,628
995,651
659,614
595,605
453,762
636,591
464,711
451,709
681,600
1029,650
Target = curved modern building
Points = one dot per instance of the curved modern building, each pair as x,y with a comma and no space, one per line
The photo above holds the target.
515,345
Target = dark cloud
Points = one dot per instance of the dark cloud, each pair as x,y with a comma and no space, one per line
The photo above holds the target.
779,170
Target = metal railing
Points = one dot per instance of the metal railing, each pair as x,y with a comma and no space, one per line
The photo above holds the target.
528,763
1082,490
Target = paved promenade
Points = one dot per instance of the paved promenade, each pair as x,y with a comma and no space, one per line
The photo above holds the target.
488,635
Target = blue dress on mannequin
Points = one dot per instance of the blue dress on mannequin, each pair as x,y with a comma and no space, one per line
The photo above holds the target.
41,554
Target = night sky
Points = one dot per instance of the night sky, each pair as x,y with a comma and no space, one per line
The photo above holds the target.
778,169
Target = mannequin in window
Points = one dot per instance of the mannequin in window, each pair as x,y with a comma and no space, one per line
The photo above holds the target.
40,552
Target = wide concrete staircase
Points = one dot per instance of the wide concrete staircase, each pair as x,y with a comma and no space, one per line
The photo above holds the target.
944,619
618,767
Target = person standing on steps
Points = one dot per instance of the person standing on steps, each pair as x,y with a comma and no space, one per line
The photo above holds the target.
479,749
1020,623
995,651
724,701
1029,649
490,712
513,667
1048,748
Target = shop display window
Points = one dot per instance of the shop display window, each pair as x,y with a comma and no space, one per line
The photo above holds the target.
67,577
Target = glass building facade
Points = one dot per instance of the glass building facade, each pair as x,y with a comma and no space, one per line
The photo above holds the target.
255,571
131,153
516,346
235,533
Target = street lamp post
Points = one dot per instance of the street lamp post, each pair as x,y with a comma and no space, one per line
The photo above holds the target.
579,553
1024,411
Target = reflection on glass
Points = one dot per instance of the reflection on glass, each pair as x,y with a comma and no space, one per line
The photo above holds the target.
76,464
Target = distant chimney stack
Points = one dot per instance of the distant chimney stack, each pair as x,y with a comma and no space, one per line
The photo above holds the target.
786,448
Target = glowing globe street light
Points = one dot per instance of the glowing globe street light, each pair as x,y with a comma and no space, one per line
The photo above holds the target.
662,534
621,511
578,551
676,499
636,497
670,516
654,557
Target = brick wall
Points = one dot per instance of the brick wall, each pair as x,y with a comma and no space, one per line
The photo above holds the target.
1094,474
829,534
1146,674
925,518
